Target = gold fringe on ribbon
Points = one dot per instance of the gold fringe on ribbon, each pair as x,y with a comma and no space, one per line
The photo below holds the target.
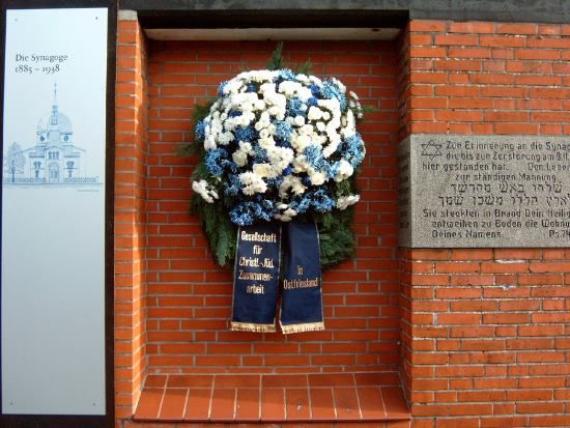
302,328
251,327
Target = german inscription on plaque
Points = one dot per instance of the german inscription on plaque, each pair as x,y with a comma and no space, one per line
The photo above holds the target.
485,191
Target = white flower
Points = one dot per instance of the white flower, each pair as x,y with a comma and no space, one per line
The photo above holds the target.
240,155
293,183
265,170
299,142
300,164
304,94
339,84
354,105
252,183
289,87
259,105
344,202
334,141
317,178
306,130
314,113
205,190
225,138
299,120
345,170
280,157
240,158
266,143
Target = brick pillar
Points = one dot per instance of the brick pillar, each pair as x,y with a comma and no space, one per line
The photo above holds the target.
130,150
485,331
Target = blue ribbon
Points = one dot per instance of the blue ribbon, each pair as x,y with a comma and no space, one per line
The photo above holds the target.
301,299
256,277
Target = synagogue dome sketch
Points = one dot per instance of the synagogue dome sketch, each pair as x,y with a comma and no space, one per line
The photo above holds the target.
53,158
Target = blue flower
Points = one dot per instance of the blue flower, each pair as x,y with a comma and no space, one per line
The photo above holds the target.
251,87
301,205
314,154
229,165
281,142
306,181
199,133
333,170
234,113
232,186
315,157
286,74
315,90
246,213
274,182
221,88
352,150
312,101
260,154
241,215
294,107
330,90
283,129
213,161
321,201
245,134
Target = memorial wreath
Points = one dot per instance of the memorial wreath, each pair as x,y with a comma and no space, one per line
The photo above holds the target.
278,147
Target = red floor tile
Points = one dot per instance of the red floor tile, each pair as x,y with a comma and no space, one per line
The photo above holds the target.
274,381
223,404
155,381
247,405
346,403
149,403
198,404
371,404
237,381
273,404
174,404
375,379
332,379
394,403
190,381
322,404
297,400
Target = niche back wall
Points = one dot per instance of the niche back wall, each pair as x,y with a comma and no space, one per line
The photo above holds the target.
188,297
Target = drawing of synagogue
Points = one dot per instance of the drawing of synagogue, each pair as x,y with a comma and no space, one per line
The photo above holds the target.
54,159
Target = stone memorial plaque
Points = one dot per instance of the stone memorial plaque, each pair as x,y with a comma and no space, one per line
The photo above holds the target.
485,191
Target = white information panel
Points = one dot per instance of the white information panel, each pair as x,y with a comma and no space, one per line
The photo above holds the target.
53,212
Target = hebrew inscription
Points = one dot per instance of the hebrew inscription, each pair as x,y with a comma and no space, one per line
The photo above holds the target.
485,191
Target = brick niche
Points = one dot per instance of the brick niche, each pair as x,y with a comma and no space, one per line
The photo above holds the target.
479,337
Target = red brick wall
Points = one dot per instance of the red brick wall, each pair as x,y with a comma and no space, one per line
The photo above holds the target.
485,331
130,149
189,297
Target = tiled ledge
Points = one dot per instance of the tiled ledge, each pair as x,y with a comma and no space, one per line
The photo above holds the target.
347,397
